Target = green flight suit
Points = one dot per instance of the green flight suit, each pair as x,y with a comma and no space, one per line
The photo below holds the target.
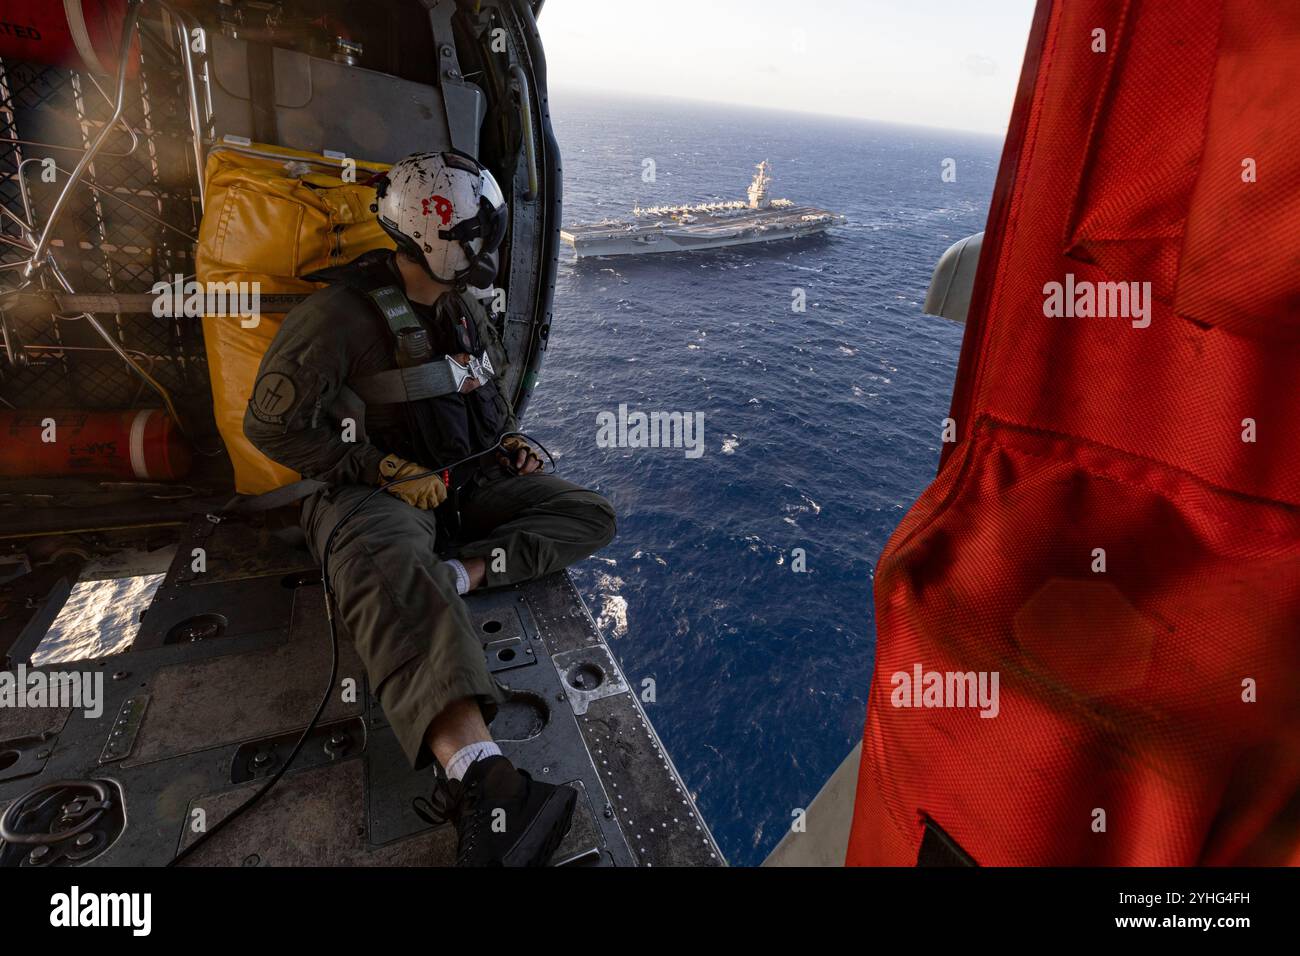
396,595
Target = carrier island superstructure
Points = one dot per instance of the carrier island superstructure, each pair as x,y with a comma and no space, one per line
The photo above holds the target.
706,226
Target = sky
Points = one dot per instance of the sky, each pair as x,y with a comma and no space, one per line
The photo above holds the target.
946,63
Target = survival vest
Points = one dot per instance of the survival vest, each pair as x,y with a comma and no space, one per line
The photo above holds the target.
429,419
1088,626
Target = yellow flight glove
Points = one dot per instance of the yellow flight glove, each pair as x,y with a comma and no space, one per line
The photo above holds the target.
423,493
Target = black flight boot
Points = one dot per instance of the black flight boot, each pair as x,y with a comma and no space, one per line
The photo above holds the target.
533,817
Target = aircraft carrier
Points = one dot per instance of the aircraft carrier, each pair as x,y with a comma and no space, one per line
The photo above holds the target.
706,226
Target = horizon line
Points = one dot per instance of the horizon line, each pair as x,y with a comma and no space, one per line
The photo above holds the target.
629,94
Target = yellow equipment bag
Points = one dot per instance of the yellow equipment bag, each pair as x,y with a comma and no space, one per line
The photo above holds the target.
271,215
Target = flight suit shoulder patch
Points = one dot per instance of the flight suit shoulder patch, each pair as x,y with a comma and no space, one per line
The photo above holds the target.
274,396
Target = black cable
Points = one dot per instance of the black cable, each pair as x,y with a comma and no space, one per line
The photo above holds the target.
334,634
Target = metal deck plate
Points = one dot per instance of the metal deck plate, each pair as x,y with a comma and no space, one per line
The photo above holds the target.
195,724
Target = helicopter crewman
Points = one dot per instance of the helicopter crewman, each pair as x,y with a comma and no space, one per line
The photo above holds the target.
396,348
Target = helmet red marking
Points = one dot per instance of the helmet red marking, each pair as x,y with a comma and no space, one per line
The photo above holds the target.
441,205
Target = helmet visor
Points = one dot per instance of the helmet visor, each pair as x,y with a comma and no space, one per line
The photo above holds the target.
488,227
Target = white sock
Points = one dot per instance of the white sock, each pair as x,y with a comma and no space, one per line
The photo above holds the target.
463,758
462,576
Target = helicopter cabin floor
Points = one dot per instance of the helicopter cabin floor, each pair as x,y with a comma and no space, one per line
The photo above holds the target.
224,674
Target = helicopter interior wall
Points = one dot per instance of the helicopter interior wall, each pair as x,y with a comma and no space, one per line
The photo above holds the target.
355,110
321,105
53,361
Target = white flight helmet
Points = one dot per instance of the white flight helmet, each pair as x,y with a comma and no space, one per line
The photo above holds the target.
447,211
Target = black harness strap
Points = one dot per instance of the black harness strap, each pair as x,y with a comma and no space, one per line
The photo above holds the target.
237,505
413,383
277,498
261,92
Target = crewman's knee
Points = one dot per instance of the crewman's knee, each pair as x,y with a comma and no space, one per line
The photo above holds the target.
599,514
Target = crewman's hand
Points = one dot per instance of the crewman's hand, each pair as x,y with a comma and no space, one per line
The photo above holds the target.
519,456
423,493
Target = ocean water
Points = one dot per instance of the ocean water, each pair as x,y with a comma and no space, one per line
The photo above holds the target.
820,428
